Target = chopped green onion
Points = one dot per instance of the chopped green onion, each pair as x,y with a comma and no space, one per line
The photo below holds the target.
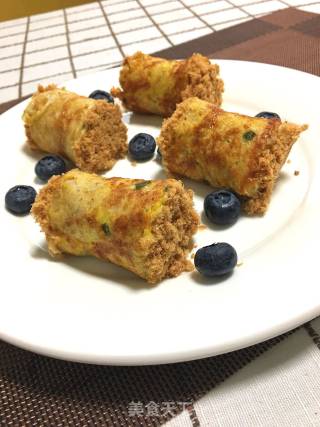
106,229
140,185
248,136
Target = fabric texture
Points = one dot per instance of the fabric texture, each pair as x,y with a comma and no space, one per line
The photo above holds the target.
289,37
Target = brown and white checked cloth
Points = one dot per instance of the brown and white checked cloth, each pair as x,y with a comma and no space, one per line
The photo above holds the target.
68,43
289,37
276,383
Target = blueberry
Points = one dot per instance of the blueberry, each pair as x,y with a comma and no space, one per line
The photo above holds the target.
49,166
222,207
216,259
142,146
268,115
101,94
19,199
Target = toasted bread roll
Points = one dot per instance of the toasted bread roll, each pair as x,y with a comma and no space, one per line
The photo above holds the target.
229,150
155,85
143,226
88,132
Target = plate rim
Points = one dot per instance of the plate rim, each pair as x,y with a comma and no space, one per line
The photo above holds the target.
185,355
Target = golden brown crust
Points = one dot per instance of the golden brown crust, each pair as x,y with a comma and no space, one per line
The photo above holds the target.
146,227
230,150
155,85
89,132
172,231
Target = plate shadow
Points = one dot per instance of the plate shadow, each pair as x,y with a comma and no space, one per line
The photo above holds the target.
97,268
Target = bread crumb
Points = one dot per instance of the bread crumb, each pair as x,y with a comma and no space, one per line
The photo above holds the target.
133,163
202,227
193,255
195,245
239,264
288,161
296,173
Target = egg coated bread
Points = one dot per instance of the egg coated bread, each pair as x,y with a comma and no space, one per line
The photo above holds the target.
155,85
89,132
143,226
228,150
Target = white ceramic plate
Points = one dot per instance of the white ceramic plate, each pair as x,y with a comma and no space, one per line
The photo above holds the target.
86,310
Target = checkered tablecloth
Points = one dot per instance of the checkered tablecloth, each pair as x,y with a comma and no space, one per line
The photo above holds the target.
64,44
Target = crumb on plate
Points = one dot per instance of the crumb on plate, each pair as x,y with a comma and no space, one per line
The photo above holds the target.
202,227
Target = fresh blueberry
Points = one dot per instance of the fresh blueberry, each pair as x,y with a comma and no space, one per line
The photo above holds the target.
268,115
216,259
101,94
142,146
222,207
49,166
19,199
